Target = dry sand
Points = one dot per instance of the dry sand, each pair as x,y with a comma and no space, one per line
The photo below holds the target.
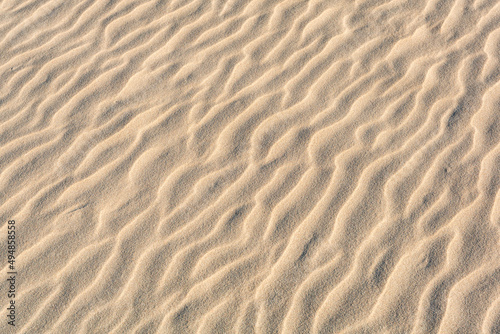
264,166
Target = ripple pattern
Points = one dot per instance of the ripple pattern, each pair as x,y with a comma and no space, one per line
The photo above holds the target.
237,166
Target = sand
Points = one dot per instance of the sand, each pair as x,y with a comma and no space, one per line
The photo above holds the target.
265,166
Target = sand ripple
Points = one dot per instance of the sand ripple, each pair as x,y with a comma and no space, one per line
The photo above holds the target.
263,166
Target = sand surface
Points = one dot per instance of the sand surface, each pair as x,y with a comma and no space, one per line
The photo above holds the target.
251,166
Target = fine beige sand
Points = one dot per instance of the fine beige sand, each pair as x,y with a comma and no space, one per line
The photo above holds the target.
250,166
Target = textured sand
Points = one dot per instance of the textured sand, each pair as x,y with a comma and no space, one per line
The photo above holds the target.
263,166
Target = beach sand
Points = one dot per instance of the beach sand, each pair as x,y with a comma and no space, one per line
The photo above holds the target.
264,166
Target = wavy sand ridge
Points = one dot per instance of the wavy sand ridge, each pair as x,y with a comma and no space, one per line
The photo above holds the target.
252,166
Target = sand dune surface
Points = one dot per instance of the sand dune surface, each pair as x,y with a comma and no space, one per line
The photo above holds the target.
237,166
